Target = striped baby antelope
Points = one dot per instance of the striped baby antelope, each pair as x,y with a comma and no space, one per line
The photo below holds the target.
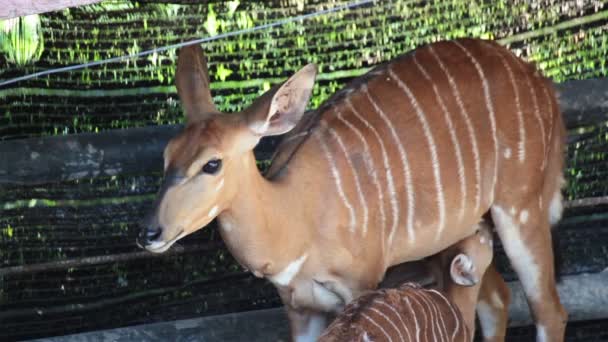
412,313
400,165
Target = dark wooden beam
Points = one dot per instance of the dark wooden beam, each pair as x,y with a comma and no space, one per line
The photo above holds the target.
18,8
87,155
139,150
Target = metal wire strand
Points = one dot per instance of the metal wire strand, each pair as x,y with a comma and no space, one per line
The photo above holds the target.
281,22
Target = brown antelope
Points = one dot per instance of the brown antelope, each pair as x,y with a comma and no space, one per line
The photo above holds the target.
411,313
398,166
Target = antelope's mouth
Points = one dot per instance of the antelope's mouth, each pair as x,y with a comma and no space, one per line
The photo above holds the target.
159,246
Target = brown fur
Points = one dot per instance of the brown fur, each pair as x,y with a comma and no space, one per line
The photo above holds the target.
269,225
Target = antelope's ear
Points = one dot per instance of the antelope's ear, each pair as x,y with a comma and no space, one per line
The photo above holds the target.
279,109
463,271
192,82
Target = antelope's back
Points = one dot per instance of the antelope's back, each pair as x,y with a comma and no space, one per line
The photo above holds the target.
435,136
409,313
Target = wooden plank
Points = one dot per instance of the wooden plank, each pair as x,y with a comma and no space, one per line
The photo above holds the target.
62,158
139,150
18,8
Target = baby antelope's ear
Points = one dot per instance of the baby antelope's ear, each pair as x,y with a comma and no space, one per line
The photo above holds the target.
463,271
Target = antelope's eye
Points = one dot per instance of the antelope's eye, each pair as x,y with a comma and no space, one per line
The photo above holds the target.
212,166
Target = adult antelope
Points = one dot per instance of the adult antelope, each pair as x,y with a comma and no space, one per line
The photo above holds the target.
412,313
398,166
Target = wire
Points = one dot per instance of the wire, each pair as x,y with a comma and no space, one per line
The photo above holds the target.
191,42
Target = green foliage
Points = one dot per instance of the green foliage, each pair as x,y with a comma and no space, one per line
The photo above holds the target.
21,39
566,42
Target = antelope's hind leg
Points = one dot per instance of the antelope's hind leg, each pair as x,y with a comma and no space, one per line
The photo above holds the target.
526,237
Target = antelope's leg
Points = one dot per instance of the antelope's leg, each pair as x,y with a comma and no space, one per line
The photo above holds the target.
493,305
526,237
306,325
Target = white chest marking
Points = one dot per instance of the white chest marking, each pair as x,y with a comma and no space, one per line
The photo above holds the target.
213,211
285,277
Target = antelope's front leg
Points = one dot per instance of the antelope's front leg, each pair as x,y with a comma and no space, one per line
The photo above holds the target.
306,325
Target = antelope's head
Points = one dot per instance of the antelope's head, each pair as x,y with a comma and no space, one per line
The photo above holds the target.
206,162
474,255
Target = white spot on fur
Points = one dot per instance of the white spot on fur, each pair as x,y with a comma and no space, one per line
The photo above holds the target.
556,207
220,185
213,212
487,319
517,251
482,239
507,153
285,277
523,216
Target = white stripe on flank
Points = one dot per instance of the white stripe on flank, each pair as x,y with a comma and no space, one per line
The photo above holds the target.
336,175
409,336
521,144
338,139
453,137
389,174
381,314
538,118
409,184
409,305
433,148
373,172
377,326
550,105
490,107
468,124
537,115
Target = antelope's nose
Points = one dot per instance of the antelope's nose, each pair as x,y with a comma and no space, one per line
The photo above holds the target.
147,235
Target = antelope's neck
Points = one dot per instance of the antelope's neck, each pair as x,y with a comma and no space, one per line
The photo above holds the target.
263,227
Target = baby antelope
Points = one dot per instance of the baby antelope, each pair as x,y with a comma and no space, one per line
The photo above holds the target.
412,313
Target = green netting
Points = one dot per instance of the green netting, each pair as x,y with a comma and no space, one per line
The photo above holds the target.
566,39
